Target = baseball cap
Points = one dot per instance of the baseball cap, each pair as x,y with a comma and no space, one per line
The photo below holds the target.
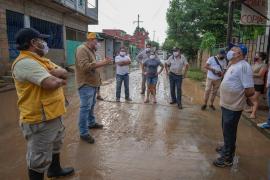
94,35
242,47
222,52
176,49
27,34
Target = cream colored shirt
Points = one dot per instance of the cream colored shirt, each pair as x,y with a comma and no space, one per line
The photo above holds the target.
30,70
238,77
177,64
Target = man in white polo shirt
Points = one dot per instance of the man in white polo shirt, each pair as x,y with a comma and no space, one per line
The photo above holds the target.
176,67
216,67
235,88
122,62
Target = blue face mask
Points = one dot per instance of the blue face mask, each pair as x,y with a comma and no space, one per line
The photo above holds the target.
230,55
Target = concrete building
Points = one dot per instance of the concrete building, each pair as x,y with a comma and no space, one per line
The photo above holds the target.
66,21
107,46
124,39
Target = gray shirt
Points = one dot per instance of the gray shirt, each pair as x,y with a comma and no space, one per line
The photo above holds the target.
142,56
152,67
177,64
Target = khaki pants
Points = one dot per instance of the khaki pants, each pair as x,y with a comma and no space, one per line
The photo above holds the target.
211,87
43,139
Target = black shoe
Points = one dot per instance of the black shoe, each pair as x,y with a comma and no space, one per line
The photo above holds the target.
223,162
33,175
128,99
55,170
219,149
172,102
212,107
96,126
203,107
100,98
88,138
180,106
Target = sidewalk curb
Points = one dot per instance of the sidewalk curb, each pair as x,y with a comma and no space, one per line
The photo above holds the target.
265,132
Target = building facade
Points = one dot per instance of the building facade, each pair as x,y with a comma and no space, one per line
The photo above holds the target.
66,21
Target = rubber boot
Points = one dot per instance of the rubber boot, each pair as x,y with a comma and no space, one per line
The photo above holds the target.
33,175
55,169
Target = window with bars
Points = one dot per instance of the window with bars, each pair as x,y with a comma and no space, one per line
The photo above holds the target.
15,21
55,41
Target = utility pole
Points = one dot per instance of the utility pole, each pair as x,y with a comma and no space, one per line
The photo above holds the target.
268,30
230,21
268,46
154,33
138,21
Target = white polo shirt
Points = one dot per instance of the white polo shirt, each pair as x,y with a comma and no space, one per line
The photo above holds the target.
122,70
238,77
213,64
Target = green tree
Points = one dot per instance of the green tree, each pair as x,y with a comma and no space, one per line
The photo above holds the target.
168,44
154,44
139,29
208,41
188,20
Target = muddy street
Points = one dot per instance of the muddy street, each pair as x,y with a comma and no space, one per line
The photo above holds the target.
145,141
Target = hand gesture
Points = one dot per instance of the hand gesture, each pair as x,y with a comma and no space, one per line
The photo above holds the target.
108,60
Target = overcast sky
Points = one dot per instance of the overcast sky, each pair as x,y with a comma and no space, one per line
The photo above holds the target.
120,14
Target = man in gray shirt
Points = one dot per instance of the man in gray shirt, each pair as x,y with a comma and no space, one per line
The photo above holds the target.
176,67
141,58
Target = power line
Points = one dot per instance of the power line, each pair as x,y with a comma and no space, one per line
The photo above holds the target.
105,15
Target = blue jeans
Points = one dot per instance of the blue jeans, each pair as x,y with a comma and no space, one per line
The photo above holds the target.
176,85
119,81
268,101
87,103
152,80
230,121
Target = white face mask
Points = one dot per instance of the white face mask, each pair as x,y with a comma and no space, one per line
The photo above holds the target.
175,54
46,48
152,56
122,53
147,49
230,55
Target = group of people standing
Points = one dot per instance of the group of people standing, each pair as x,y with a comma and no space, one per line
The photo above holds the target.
176,68
240,87
39,84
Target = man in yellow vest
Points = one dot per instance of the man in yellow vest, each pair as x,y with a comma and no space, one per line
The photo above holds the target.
88,80
41,104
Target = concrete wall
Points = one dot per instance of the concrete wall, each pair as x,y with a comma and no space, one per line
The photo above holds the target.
101,51
57,56
4,53
109,47
37,10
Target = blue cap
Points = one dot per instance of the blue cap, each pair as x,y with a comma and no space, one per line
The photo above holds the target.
222,52
243,48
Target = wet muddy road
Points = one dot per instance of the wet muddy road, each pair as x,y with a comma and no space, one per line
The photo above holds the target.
146,141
